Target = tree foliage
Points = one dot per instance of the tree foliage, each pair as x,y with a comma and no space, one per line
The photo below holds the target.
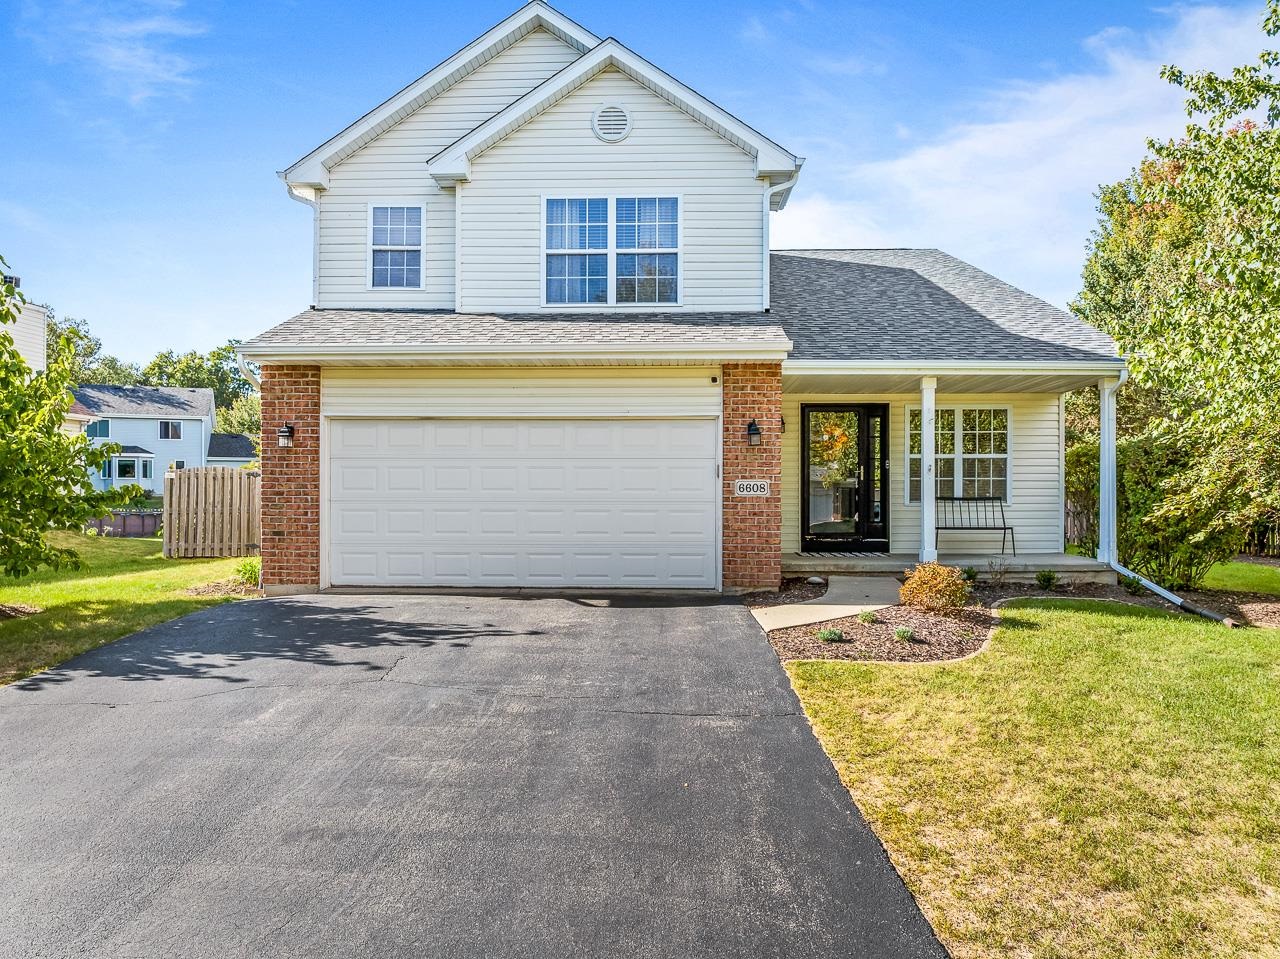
244,416
88,363
44,472
217,370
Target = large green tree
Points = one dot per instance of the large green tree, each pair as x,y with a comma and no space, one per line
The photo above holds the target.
244,416
88,363
1184,272
45,472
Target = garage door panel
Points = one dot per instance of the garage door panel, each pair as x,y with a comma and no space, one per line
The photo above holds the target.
551,503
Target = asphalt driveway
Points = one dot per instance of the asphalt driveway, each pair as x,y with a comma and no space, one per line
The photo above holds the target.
414,776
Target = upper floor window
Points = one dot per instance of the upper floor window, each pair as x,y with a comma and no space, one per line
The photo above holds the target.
98,429
971,447
574,226
171,429
647,224
620,251
395,239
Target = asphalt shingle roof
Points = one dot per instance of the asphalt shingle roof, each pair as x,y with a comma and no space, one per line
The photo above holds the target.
231,446
902,305
158,401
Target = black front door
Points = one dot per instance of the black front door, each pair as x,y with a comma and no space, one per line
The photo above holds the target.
844,478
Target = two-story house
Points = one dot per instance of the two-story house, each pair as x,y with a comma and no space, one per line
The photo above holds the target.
157,428
549,346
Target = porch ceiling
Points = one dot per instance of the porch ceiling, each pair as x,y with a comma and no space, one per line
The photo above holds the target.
948,382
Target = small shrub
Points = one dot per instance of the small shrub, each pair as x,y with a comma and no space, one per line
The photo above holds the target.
1132,585
970,574
935,587
867,617
904,634
1046,578
91,531
249,571
997,568
830,636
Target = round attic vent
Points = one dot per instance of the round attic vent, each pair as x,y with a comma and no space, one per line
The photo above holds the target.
611,124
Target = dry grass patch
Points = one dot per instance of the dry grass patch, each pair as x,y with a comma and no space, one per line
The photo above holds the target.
1104,781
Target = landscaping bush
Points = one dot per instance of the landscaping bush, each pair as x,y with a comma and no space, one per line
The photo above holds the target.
830,636
1132,585
904,634
1046,578
1174,549
867,617
249,571
970,574
935,587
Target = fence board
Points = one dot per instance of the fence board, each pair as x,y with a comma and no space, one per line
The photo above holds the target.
211,511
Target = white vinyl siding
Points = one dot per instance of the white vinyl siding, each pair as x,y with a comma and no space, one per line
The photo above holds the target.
1034,509
653,392
667,154
29,335
394,165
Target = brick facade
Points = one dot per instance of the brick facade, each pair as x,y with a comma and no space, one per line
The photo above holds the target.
291,480
752,539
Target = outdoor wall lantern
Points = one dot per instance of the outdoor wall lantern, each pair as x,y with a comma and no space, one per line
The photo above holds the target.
753,433
285,434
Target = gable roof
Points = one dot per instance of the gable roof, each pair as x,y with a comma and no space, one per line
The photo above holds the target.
313,169
234,446
159,401
453,163
860,307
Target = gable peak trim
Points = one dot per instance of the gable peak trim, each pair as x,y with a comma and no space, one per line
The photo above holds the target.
312,170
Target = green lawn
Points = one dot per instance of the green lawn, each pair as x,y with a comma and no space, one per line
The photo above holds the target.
128,585
1103,781
1244,578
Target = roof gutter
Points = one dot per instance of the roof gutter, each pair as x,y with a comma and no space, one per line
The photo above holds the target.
775,349
1108,366
783,187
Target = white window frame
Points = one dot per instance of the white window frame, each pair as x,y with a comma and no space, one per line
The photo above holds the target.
172,423
99,423
137,470
958,456
610,250
369,247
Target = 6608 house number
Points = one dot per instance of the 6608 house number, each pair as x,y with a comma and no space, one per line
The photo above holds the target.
751,488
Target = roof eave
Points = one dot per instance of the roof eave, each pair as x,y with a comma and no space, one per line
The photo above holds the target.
1103,365
471,353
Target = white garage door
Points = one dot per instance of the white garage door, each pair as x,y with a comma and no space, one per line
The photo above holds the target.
523,503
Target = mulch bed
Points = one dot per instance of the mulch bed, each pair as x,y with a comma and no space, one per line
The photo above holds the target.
794,590
17,610
937,638
223,587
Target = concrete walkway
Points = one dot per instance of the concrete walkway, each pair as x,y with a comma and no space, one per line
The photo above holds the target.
845,596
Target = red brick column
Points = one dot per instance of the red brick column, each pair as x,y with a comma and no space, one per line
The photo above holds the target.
291,480
752,537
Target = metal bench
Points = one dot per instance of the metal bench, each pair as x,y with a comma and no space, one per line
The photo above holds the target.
973,513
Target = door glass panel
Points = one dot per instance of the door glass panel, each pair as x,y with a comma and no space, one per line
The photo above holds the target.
833,473
874,464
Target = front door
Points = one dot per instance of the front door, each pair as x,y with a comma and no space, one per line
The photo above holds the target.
844,478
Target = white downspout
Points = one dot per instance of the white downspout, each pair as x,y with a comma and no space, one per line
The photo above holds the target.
764,232
1107,507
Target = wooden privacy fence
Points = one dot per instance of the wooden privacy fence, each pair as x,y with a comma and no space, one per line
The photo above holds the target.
211,511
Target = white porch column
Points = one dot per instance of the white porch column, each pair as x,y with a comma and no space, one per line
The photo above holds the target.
1107,470
928,481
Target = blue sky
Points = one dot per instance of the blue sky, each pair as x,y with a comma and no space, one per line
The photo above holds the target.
143,136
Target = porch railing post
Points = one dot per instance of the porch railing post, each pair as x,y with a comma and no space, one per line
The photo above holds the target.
928,481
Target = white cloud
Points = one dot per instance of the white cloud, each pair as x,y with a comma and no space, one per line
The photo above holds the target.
1013,192
128,46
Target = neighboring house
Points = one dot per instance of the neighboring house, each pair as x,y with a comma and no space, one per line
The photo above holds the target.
549,346
231,449
158,428
29,330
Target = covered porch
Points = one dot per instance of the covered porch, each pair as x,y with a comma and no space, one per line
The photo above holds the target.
949,429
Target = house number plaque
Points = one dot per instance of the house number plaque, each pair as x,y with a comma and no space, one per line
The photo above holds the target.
751,488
